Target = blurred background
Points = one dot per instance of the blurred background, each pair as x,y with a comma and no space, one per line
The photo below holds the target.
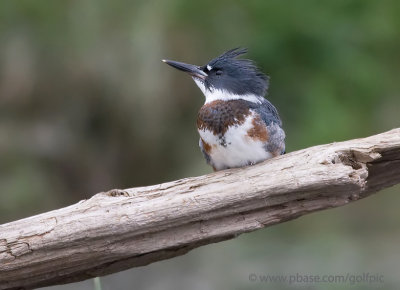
86,105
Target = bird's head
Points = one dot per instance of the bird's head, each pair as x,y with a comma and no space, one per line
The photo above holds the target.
227,77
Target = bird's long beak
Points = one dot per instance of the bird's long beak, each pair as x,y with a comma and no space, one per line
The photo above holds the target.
191,69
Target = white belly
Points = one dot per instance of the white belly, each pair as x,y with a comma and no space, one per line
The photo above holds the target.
235,148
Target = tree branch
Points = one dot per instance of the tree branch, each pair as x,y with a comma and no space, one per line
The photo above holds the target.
120,229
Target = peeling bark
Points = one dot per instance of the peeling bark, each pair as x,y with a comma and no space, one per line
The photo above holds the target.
120,229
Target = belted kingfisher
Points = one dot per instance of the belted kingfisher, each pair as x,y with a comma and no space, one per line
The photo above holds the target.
237,125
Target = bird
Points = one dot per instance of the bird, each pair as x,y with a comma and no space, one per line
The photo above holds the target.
237,125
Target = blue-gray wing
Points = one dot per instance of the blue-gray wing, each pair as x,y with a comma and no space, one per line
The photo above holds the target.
276,136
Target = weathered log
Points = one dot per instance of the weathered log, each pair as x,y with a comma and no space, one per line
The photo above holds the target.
120,229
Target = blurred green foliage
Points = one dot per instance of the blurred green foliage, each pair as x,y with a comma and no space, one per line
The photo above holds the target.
86,105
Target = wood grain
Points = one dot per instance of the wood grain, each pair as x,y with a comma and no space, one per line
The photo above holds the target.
120,229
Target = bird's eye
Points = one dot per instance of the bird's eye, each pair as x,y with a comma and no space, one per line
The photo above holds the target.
218,72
